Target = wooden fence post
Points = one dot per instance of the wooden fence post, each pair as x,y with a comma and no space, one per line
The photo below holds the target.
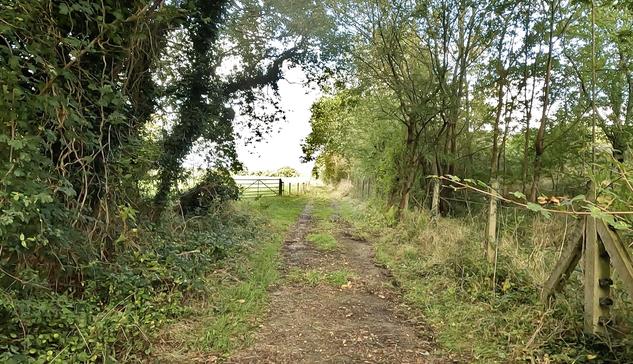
362,189
289,189
281,187
435,199
597,270
619,255
569,258
491,225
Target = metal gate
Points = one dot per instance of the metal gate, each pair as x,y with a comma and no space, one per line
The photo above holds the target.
260,187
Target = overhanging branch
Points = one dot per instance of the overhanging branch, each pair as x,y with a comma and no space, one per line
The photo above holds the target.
267,77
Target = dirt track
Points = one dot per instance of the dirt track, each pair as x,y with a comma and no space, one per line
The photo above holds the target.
362,321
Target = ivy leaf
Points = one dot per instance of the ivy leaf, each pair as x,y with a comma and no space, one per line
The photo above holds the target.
601,215
620,225
538,208
68,191
73,42
16,144
64,9
14,62
44,197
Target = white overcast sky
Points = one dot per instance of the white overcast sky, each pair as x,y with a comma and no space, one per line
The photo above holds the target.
282,147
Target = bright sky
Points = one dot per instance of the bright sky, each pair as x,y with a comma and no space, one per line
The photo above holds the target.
283,147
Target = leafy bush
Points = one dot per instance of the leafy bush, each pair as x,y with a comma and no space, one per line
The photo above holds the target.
217,186
113,314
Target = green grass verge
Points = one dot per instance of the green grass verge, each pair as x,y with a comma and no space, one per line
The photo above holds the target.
322,208
238,289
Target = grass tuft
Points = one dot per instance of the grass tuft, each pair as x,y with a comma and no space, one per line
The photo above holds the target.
323,241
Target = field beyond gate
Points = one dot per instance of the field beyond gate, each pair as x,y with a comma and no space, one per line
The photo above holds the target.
253,187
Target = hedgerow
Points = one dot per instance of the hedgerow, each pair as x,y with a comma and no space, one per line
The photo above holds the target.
115,311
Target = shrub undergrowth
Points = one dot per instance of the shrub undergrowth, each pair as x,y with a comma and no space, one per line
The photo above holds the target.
223,319
115,314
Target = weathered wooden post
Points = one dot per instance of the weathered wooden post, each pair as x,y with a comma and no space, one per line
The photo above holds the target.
362,189
281,187
491,225
597,281
435,197
289,189
602,247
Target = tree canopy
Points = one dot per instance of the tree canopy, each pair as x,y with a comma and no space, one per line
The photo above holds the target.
491,90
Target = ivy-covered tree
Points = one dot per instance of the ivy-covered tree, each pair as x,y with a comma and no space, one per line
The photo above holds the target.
76,94
259,38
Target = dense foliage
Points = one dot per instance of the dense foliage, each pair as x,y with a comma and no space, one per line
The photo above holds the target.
490,91
102,102
71,132
120,304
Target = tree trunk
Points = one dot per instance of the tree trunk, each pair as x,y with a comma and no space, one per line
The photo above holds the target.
539,144
409,170
528,102
494,157
491,226
504,140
